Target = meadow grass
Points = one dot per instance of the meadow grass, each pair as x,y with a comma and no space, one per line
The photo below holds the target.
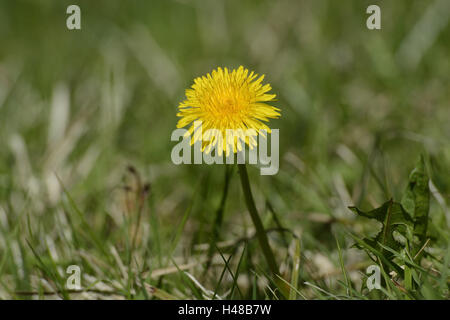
86,177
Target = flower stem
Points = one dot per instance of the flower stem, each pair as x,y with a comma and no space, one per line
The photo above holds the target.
260,233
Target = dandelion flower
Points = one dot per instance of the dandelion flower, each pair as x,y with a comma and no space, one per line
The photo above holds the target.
228,102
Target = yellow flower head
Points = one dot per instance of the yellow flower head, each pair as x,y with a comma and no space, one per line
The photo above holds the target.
228,102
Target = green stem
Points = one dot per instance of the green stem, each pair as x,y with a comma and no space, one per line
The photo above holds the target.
260,232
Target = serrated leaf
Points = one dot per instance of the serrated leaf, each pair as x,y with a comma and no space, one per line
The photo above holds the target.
393,218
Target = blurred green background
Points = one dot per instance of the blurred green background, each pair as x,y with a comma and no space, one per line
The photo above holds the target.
77,108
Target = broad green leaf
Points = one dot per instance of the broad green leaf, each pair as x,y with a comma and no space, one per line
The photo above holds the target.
416,200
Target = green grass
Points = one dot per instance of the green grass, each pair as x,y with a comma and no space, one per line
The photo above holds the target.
86,177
